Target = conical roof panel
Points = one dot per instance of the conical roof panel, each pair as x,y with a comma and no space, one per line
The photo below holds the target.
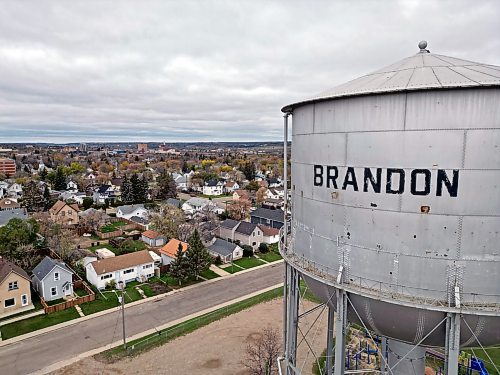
423,71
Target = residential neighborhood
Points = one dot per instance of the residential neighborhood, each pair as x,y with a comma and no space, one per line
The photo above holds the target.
91,221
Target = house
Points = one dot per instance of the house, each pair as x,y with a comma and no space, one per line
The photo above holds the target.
243,232
128,211
230,187
269,235
226,250
72,196
273,203
195,204
15,291
174,202
213,187
7,215
64,214
15,190
169,251
8,204
128,267
269,217
103,193
241,194
153,238
181,181
72,187
274,182
52,279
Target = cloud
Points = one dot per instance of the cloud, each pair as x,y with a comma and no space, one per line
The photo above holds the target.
211,70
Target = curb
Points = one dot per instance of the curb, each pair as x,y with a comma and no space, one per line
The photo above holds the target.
60,364
131,304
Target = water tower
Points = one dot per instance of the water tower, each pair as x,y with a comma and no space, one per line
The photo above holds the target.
395,209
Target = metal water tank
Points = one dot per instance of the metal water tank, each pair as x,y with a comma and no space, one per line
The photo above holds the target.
396,188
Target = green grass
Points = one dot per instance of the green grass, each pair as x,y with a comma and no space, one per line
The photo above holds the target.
493,352
157,339
273,248
209,274
100,303
322,361
131,295
174,283
38,322
232,269
80,292
248,262
111,227
147,290
270,256
54,302
101,246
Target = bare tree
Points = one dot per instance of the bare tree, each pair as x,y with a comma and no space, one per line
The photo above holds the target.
167,220
93,220
240,209
261,355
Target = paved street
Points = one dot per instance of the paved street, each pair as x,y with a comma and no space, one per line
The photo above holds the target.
41,351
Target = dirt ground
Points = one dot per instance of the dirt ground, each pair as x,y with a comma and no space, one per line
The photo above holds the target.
214,349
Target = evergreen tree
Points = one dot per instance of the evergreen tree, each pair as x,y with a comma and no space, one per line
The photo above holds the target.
143,189
33,199
166,186
249,170
46,197
59,180
185,167
43,174
179,266
135,188
197,255
127,196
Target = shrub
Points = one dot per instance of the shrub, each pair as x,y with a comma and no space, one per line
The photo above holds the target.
111,284
247,250
218,260
263,248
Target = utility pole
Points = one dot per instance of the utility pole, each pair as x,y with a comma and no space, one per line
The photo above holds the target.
121,284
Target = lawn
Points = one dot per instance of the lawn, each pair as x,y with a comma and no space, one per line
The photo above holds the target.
101,246
174,283
248,262
147,290
38,322
233,269
111,227
100,303
209,274
270,256
494,353
54,302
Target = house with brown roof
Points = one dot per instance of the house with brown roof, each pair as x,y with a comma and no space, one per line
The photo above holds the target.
269,235
64,214
15,292
8,204
169,251
153,238
128,267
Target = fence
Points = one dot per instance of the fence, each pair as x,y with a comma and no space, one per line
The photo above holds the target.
71,303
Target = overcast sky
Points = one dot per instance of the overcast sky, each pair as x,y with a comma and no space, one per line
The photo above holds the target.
175,71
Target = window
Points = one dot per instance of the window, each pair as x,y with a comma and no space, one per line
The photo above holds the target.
70,212
13,285
108,276
56,276
10,302
130,270
53,291
254,243
147,266
24,299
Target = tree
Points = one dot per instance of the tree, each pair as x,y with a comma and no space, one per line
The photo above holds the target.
167,220
185,167
93,220
127,194
239,210
87,203
59,180
197,256
43,174
260,357
253,186
61,241
179,267
33,199
166,186
47,201
260,196
263,248
14,236
248,169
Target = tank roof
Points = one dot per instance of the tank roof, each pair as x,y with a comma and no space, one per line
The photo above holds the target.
422,71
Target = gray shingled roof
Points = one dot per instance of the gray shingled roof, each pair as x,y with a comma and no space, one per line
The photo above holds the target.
128,209
222,247
7,267
175,202
266,213
229,223
246,228
46,265
17,213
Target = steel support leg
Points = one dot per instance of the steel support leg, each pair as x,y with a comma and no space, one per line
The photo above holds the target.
329,341
453,344
292,318
340,332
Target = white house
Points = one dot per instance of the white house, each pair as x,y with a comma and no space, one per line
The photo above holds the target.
153,238
72,187
230,187
74,196
213,187
269,235
128,267
227,251
181,181
131,210
15,190
195,204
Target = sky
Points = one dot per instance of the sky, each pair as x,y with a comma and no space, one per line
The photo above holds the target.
183,71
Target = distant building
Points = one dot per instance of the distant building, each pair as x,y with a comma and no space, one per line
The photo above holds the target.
7,167
142,147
